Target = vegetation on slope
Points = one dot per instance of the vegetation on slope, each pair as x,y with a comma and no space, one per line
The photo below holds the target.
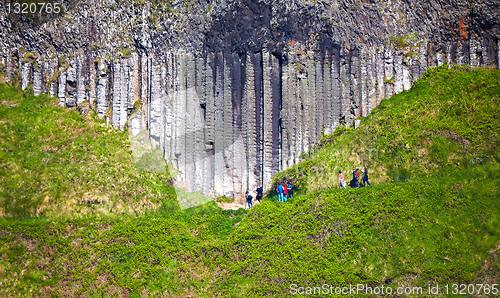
54,162
447,121
432,216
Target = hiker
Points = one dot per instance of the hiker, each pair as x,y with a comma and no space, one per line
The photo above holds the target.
285,191
342,180
260,192
249,199
290,190
355,177
280,190
365,176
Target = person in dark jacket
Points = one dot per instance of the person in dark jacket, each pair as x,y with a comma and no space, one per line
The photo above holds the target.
355,177
260,193
249,199
290,190
365,177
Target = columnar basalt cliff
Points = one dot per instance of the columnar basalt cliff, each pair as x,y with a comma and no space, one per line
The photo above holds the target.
235,91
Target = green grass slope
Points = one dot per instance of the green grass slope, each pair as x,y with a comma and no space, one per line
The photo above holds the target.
449,120
432,216
54,162
443,230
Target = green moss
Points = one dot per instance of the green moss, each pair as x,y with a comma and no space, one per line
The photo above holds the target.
29,57
55,161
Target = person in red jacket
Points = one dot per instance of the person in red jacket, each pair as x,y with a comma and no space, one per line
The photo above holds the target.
286,191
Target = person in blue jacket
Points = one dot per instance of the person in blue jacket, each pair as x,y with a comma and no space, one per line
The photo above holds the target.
280,191
290,190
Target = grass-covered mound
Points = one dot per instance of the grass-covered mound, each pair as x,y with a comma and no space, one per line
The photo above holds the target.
439,230
449,120
145,255
55,162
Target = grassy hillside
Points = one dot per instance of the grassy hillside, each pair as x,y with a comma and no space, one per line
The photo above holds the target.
432,216
450,119
55,162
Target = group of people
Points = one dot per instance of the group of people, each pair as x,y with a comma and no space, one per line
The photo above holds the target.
284,191
249,198
355,178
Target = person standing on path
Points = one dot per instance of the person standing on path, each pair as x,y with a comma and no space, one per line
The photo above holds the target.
249,199
355,177
365,177
260,192
285,191
280,190
290,190
342,180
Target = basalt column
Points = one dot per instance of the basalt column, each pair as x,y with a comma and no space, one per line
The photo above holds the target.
271,110
238,150
250,122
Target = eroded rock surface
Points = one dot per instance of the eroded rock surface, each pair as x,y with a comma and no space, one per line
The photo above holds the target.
234,91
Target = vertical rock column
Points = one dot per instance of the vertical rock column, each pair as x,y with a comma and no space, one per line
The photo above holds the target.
389,79
372,78
209,135
345,84
398,72
62,87
407,79
267,120
258,115
192,121
169,108
219,165
473,51
310,102
25,74
92,95
228,125
223,183
336,87
320,99
135,80
124,91
293,107
51,66
200,101
8,67
328,116
380,63
364,81
80,83
180,114
250,122
462,54
355,84
237,148
423,59
117,93
102,104
37,78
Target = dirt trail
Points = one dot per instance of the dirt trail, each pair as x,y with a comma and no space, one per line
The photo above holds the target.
235,205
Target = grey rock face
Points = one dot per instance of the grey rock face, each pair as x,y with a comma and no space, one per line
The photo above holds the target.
234,94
